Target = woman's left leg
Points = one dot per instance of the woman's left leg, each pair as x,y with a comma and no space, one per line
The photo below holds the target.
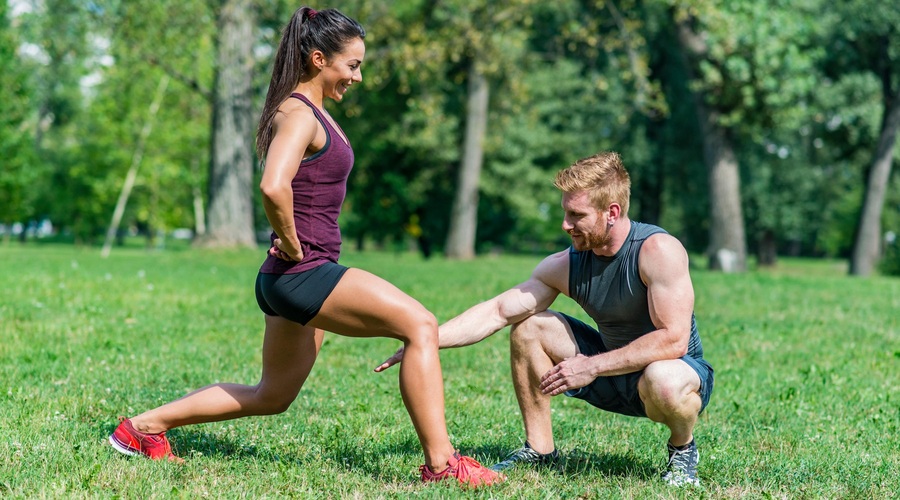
289,352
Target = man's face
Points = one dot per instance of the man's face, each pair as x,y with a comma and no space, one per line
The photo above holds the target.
585,224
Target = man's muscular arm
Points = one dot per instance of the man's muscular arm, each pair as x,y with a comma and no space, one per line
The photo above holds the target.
514,305
480,321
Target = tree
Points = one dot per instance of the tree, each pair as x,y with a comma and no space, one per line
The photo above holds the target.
867,247
54,50
464,213
497,52
563,80
727,242
418,79
17,161
867,40
752,68
230,207
556,93
581,88
484,55
133,169
206,49
139,46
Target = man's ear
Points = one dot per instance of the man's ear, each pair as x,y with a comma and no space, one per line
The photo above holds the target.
614,211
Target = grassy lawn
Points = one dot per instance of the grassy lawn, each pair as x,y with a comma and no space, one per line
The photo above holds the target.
806,403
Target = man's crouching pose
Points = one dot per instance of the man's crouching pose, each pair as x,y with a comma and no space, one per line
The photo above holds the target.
644,359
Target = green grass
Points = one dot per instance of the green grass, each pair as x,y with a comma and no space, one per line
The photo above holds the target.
806,403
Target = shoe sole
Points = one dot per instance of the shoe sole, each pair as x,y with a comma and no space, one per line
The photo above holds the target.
683,483
121,448
557,466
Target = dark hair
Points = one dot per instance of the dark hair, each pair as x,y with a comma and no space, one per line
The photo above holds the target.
326,30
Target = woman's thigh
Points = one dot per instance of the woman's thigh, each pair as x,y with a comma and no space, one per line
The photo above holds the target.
364,305
289,352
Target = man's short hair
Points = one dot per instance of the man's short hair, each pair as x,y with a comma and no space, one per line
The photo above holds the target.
603,176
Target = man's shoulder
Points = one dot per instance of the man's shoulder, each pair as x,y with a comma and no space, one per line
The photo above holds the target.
557,260
643,230
662,254
554,271
652,237
661,242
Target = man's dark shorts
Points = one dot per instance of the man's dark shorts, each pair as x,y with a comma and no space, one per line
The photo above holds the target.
297,297
619,393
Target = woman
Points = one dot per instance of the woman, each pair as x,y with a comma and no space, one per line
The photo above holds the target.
301,288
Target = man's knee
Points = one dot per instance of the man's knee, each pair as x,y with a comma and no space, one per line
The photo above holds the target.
545,334
534,327
669,385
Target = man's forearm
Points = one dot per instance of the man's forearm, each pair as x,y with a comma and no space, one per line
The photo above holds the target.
654,346
474,325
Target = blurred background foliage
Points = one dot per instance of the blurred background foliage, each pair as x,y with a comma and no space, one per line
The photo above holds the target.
803,93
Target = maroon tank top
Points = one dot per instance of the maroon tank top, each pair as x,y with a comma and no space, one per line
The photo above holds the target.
319,190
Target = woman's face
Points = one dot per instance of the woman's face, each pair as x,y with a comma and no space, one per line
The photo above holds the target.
343,70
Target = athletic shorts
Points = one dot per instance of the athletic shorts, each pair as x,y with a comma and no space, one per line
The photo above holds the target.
297,297
619,393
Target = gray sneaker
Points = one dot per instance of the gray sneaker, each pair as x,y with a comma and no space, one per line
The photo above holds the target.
682,467
526,455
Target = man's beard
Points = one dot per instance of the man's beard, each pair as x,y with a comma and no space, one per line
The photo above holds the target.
599,237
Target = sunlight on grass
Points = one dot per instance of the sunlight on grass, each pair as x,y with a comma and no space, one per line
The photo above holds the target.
805,404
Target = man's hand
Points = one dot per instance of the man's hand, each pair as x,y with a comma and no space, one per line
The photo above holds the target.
572,373
391,361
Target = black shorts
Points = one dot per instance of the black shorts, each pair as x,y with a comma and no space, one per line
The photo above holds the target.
297,297
619,393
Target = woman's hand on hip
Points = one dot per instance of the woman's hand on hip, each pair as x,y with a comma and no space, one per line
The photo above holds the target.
286,251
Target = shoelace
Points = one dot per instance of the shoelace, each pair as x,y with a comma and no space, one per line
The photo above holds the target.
522,454
526,453
477,474
463,463
681,458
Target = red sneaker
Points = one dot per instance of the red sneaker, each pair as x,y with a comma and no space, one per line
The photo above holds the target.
466,470
128,440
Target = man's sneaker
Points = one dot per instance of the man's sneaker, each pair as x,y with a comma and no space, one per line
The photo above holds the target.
527,455
682,467
128,440
464,469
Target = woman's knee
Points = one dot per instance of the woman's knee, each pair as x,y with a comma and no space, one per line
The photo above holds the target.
273,402
420,327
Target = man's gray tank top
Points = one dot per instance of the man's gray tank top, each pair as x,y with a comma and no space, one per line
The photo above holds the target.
611,291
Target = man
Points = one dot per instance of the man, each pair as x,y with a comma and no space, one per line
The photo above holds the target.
645,358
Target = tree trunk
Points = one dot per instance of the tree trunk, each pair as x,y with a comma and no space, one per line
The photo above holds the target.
131,176
767,253
727,249
464,214
867,247
727,242
230,204
197,195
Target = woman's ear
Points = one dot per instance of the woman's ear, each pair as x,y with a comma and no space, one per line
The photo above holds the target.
317,60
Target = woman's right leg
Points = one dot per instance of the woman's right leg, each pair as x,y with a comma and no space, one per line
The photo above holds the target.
364,305
289,352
